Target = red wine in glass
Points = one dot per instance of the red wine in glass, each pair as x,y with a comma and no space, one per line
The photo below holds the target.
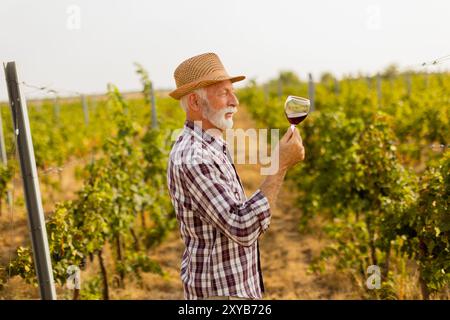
296,118
296,109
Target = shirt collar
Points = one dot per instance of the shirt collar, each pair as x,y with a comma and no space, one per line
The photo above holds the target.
199,133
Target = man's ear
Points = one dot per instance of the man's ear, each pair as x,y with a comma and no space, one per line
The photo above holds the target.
193,102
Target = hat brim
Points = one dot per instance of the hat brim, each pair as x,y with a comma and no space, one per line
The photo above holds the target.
189,87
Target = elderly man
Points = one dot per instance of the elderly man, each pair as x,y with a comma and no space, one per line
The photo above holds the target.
219,225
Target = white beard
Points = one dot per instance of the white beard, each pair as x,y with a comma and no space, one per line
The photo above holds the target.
218,118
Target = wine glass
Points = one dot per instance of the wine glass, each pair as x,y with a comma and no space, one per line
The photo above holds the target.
296,109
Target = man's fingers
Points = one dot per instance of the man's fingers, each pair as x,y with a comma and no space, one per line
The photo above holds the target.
297,135
287,136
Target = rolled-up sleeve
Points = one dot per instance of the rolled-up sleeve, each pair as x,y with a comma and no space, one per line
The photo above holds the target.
214,200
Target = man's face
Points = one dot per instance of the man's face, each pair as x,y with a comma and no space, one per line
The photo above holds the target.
221,104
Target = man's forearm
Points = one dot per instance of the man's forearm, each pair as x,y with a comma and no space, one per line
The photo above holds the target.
271,186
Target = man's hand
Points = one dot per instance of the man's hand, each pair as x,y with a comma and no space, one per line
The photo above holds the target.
290,149
290,152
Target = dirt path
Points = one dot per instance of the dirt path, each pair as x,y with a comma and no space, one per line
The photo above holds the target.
285,253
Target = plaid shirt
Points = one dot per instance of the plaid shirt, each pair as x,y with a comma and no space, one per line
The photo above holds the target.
218,224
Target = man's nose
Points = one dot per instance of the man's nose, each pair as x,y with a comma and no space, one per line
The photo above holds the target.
233,100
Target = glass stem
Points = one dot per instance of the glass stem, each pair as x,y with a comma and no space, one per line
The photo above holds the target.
292,127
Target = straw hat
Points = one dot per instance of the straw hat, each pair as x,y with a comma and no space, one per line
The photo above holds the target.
198,72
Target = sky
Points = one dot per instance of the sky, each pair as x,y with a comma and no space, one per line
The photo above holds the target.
84,45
